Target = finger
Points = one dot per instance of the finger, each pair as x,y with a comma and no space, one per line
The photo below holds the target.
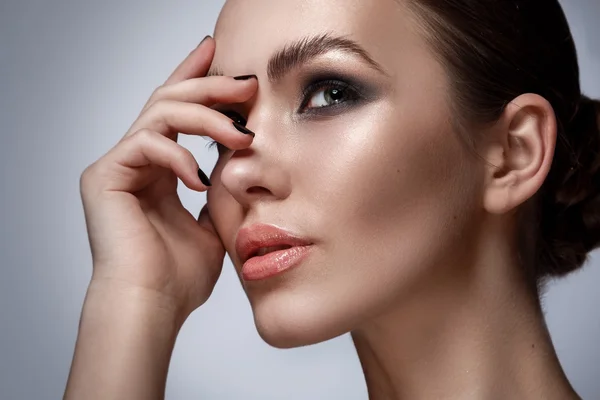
207,91
121,167
196,64
170,117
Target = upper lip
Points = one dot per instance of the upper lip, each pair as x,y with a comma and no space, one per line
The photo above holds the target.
250,239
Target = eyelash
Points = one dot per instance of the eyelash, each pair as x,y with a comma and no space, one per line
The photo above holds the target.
323,85
352,95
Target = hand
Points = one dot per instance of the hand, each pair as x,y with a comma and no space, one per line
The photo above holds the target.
140,234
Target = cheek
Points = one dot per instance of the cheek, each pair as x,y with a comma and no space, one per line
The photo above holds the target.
422,194
381,172
392,201
389,200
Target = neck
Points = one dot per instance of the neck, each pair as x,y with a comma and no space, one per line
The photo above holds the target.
473,335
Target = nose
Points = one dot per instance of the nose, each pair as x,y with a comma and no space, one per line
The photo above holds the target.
258,173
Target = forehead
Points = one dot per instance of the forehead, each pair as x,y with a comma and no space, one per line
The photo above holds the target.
249,31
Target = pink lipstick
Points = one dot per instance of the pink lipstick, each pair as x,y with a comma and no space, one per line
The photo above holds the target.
266,251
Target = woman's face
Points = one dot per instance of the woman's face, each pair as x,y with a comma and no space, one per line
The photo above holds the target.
358,156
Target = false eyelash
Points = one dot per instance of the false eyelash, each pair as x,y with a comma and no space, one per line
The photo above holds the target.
212,144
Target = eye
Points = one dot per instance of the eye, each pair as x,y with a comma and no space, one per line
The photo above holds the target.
234,117
326,97
328,94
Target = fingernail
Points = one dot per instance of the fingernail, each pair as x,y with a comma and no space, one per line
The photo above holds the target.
243,129
203,40
204,178
244,77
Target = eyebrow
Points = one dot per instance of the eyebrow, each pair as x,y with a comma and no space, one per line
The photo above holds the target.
300,52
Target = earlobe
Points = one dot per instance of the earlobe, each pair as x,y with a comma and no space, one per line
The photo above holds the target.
521,154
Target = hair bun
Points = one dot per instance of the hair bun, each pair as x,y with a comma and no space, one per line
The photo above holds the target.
570,219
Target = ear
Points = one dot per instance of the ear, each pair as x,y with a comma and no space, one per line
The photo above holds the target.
520,153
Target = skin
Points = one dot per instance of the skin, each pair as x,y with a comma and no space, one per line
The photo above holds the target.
412,235
414,238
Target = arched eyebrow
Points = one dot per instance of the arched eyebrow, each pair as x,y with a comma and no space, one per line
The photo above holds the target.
299,52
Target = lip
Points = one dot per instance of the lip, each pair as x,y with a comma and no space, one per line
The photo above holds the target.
250,239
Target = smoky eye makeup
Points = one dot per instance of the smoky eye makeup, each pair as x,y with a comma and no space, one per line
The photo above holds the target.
329,93
320,94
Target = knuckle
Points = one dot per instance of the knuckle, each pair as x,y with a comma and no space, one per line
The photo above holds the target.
158,93
160,105
143,134
159,112
184,154
89,176
85,176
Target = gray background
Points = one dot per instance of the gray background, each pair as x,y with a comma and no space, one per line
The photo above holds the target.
73,76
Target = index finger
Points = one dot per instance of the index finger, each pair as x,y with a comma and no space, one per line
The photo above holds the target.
196,64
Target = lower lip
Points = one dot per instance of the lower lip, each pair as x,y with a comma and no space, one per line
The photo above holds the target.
274,263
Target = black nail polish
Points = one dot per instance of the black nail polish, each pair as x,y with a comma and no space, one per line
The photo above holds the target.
243,129
204,178
235,117
244,77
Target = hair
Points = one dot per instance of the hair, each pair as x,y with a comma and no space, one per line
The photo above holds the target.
496,50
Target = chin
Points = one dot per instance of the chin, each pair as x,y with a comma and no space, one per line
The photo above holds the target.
289,320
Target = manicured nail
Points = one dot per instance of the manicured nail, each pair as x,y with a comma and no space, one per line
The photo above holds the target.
244,77
243,129
203,40
204,178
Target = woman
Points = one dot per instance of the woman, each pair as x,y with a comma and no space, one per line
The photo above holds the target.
409,171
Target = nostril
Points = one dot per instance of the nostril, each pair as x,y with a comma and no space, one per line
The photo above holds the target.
257,190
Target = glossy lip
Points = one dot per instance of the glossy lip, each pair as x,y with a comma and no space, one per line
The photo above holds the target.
250,239
274,263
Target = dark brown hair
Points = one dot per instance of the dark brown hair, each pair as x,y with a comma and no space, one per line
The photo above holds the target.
496,50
